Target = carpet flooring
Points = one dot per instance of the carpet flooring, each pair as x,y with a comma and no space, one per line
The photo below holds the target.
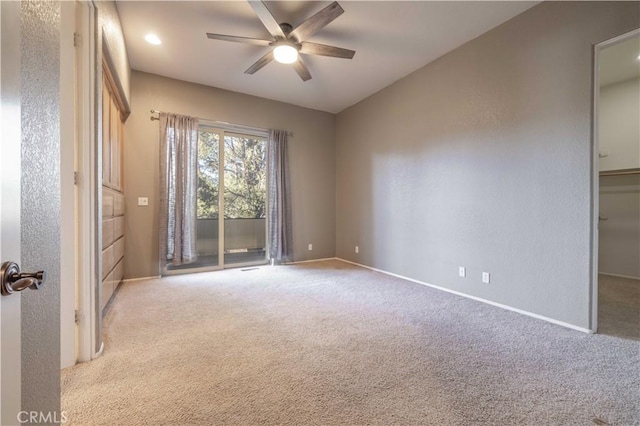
619,307
328,343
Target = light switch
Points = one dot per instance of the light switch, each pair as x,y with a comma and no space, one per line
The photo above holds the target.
143,201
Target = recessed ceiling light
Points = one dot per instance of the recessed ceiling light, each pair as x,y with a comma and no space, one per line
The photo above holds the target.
153,39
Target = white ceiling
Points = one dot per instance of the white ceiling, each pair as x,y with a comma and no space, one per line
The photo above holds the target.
620,62
391,40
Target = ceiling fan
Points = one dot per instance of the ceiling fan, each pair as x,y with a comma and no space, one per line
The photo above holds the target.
288,42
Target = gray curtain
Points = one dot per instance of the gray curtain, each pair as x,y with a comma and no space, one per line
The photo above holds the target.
178,186
279,199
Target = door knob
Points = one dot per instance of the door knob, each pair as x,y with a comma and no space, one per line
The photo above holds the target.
12,280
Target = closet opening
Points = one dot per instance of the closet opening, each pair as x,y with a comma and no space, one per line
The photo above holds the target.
616,309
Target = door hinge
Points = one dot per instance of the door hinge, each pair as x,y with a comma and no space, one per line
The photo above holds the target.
75,178
77,317
77,39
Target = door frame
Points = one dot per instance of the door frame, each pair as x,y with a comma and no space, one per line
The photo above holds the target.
68,123
595,172
88,194
78,291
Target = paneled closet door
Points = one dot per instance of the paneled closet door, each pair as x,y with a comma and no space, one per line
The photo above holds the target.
114,136
106,138
112,140
113,243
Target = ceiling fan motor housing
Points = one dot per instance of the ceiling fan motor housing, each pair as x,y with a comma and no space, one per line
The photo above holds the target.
286,28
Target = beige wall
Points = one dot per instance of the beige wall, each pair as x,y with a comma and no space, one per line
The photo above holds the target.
619,237
482,159
311,154
619,108
619,234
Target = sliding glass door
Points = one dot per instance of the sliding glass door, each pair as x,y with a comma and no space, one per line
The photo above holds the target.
207,225
234,165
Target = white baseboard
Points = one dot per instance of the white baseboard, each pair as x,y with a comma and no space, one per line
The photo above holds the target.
478,299
99,353
313,260
132,280
619,276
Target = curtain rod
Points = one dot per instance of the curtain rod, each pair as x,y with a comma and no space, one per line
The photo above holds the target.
620,172
223,123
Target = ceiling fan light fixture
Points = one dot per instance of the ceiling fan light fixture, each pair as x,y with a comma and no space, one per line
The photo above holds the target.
153,39
285,53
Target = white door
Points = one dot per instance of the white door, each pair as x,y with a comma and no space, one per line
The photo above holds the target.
10,207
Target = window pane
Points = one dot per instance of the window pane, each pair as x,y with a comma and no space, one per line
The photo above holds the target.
244,198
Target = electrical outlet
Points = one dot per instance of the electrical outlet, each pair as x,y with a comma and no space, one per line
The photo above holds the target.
486,278
357,249
143,201
462,271
310,247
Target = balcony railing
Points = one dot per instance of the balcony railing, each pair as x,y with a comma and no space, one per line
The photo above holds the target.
240,235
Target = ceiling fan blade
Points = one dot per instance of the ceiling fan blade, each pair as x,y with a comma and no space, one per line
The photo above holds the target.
302,69
267,19
260,63
317,22
324,50
248,40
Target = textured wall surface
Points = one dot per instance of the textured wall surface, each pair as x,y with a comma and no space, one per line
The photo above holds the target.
311,156
40,24
109,22
482,159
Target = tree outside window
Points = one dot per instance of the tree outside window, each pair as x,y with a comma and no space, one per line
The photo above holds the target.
244,176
